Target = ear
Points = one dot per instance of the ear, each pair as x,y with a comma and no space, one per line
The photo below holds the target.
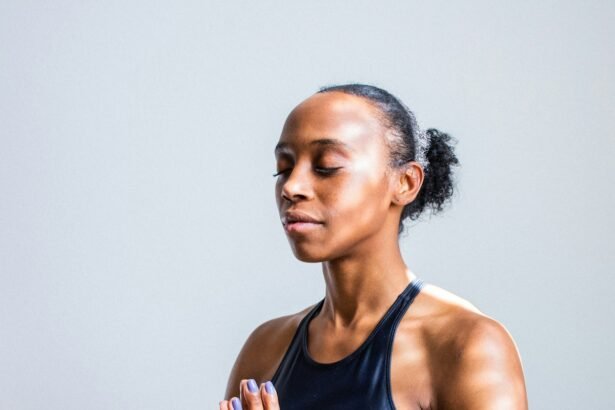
408,184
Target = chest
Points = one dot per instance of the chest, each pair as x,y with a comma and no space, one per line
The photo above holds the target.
409,370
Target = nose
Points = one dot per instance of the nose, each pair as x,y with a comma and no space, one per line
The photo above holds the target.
297,185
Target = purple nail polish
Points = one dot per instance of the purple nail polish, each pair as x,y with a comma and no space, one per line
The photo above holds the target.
252,386
269,387
236,404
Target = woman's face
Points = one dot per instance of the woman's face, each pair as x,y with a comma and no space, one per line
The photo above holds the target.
332,165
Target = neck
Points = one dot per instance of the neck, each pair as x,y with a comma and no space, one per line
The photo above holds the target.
362,283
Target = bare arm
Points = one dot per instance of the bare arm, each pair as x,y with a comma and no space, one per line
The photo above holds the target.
252,360
262,351
485,371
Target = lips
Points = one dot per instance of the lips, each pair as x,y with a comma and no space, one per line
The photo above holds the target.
301,228
296,216
300,223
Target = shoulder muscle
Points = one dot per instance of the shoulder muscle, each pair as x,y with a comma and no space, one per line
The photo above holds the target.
485,370
262,351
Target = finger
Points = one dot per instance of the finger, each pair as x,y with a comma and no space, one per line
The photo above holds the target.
269,396
250,396
225,405
233,404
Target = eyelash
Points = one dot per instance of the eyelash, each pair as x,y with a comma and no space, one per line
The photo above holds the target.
323,171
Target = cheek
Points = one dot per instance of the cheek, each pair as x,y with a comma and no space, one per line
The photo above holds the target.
360,204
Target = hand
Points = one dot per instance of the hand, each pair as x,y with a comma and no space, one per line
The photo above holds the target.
265,398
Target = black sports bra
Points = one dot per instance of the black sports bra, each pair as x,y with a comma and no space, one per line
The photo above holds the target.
360,380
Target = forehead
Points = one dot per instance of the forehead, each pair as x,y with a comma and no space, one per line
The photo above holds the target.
334,120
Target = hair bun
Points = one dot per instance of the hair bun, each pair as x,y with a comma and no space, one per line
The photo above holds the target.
438,184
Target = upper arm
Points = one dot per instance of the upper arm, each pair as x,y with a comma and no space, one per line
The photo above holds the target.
248,364
261,353
486,371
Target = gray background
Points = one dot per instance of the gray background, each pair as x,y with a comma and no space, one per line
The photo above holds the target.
139,238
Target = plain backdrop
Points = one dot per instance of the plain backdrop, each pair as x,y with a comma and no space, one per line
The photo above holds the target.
139,239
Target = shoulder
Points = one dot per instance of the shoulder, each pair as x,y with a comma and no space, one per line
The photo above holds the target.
263,350
475,361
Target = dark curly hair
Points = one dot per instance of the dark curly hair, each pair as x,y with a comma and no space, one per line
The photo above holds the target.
438,184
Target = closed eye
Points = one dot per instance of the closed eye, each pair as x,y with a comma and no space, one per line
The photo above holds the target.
327,171
280,173
320,170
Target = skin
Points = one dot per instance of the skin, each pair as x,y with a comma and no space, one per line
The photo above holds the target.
446,353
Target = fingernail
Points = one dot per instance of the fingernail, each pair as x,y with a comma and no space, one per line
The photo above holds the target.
236,404
252,386
269,387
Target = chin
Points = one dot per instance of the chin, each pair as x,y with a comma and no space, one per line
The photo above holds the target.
307,255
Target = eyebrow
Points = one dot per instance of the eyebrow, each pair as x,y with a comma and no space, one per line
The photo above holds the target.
325,142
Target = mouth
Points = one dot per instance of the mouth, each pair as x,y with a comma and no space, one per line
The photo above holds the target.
301,227
297,221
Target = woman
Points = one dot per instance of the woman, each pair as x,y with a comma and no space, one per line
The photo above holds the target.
352,166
